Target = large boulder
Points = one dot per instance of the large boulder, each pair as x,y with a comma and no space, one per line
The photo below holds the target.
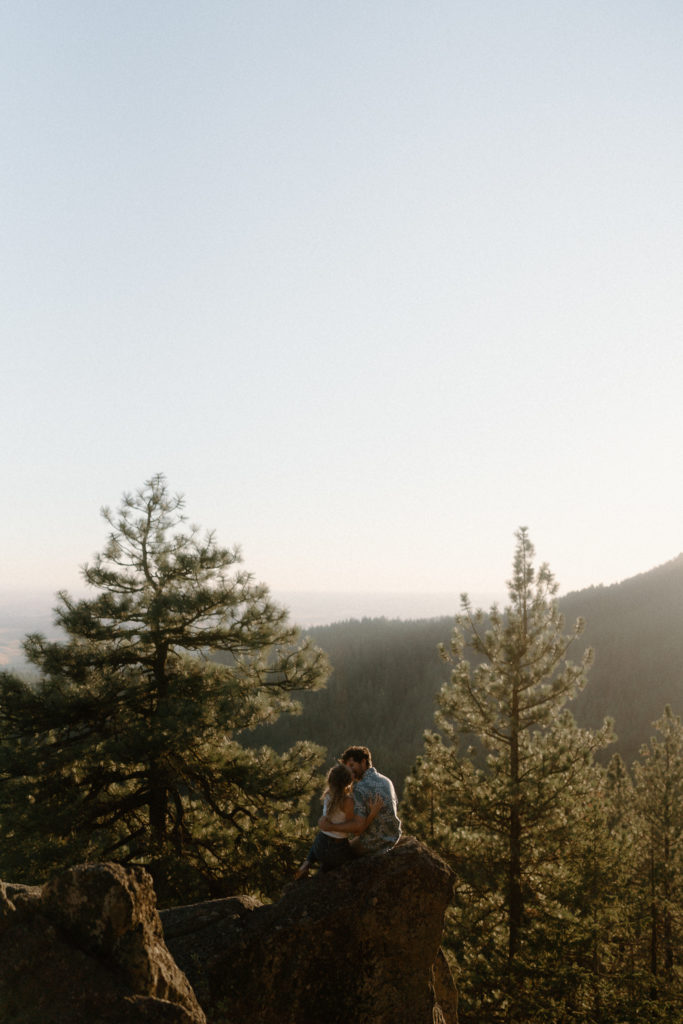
360,945
88,948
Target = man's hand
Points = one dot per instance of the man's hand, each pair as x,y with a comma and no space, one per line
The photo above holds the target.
376,804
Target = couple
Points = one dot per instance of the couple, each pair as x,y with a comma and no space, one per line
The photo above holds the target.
359,813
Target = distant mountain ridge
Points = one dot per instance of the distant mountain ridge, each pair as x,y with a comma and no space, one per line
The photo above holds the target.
386,671
636,630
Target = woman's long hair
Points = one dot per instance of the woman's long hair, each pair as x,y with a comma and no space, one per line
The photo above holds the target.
339,781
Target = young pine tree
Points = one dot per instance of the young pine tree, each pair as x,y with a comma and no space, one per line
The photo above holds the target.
133,745
500,786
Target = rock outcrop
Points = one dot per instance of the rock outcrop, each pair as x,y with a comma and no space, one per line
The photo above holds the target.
360,945
87,948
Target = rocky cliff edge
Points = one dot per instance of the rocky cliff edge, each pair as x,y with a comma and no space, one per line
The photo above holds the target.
360,945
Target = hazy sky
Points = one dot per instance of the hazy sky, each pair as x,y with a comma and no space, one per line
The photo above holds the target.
373,283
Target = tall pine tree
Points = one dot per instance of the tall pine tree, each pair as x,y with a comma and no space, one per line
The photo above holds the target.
133,745
499,788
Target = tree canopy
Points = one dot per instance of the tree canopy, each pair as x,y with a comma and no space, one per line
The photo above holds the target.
131,744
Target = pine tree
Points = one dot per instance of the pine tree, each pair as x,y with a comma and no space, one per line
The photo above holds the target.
657,888
133,745
593,942
500,786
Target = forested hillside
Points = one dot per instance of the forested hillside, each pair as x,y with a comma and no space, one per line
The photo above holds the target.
569,871
386,673
636,630
133,745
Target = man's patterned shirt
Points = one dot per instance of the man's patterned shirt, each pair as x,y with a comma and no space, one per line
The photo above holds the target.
385,830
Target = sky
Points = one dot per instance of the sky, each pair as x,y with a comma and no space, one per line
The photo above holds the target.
372,283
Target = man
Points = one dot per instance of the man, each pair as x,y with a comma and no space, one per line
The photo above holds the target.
385,831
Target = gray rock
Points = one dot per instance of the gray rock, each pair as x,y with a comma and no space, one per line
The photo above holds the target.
360,945
87,948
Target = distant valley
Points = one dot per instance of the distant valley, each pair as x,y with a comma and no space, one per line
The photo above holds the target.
21,613
25,612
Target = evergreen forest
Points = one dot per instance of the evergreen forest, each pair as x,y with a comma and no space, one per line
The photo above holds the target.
184,724
386,673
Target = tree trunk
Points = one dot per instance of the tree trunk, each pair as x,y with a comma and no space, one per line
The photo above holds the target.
157,810
515,902
158,794
653,926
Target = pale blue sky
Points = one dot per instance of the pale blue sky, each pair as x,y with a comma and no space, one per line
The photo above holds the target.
373,283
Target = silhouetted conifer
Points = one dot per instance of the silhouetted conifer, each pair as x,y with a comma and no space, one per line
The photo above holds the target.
130,747
501,790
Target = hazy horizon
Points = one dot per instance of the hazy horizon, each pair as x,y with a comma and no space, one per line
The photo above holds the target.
24,610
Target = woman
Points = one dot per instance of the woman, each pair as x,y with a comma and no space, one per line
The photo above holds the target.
331,849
